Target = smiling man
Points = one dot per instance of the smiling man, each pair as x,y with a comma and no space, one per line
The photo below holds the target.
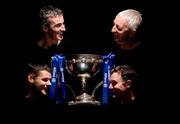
52,28
39,81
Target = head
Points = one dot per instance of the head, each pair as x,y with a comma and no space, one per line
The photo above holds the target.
125,25
39,80
52,24
122,78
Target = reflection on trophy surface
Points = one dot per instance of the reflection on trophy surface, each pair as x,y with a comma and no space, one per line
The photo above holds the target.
84,66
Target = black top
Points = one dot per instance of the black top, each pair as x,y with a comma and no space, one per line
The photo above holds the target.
137,59
134,58
38,55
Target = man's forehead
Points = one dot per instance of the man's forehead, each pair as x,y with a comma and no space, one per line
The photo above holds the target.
116,75
44,72
120,20
55,19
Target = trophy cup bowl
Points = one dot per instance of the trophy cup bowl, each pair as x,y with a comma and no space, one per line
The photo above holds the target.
84,66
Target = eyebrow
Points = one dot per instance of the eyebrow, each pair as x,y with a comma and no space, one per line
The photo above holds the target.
46,79
113,82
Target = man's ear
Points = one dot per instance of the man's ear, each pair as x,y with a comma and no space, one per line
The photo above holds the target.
45,28
128,83
30,78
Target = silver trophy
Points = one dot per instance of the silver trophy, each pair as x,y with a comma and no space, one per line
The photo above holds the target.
84,66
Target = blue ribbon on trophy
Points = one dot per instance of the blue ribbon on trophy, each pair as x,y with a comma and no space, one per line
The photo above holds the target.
57,80
53,88
61,71
108,65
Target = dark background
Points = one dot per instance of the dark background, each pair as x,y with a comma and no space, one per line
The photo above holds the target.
88,25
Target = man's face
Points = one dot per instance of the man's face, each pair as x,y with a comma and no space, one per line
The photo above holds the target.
120,29
56,28
42,82
117,83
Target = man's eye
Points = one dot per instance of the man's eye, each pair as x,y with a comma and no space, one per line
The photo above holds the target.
113,82
58,25
119,28
45,79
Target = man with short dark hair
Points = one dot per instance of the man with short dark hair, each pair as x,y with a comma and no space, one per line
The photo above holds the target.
52,30
121,81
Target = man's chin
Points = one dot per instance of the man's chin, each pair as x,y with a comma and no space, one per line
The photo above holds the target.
59,41
60,38
43,93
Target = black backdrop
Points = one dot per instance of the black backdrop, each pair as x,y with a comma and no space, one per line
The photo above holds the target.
88,25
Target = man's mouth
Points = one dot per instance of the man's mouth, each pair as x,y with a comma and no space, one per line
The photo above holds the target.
60,35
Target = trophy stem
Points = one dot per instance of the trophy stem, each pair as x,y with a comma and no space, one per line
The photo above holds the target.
83,80
84,98
83,84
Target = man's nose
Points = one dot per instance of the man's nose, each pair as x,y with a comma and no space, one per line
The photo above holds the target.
110,86
63,28
113,29
48,83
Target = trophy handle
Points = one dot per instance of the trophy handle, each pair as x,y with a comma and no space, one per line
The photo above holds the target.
70,67
70,88
97,86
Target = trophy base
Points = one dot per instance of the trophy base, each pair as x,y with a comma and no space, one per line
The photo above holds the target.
84,100
82,103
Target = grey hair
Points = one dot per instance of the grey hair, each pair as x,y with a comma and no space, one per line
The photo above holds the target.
133,17
49,11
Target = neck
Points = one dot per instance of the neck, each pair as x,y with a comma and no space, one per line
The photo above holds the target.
129,45
128,96
58,42
44,43
33,94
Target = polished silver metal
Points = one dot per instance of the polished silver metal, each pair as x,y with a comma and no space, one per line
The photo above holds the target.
84,66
